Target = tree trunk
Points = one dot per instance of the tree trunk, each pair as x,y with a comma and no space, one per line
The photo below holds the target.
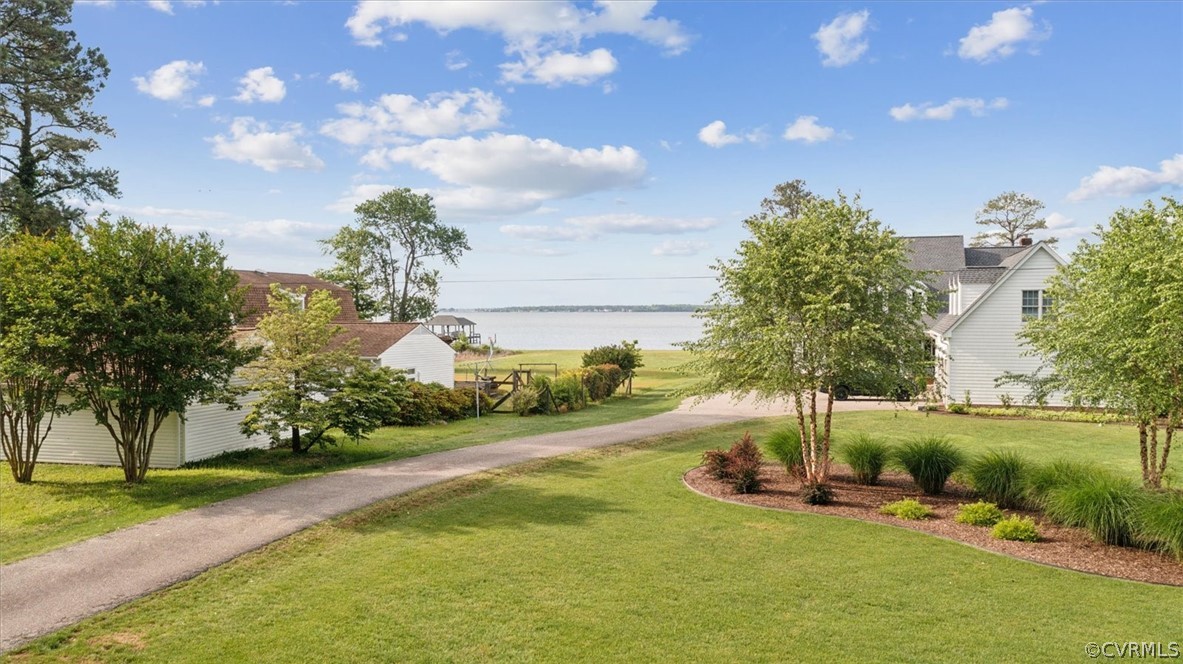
826,437
1142,448
296,449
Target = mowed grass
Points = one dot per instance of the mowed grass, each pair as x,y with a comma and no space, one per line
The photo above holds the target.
68,503
606,556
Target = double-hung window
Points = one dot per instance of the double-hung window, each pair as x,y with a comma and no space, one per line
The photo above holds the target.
1036,304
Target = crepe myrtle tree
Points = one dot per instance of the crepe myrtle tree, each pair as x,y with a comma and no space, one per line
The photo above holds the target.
1114,336
808,299
41,288
153,332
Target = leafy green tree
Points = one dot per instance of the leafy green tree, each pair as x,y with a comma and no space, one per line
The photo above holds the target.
153,333
40,291
353,270
369,398
1115,336
625,355
302,364
47,85
395,234
787,200
807,301
1012,216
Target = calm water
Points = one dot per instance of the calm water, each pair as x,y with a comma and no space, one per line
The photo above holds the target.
583,330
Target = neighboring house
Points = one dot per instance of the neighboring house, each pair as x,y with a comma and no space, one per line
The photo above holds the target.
991,291
204,431
408,347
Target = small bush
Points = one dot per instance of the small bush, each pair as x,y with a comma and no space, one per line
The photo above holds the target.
1159,523
567,390
866,456
785,446
1000,477
980,513
739,466
460,345
908,509
957,408
625,355
1017,529
468,396
601,380
817,494
1104,504
524,400
930,461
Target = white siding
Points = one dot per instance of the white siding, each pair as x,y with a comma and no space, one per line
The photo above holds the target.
432,360
984,344
210,429
969,293
76,438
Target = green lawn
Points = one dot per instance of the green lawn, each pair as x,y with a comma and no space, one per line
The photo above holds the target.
66,503
605,556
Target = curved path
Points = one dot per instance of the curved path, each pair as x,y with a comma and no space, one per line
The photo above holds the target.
47,592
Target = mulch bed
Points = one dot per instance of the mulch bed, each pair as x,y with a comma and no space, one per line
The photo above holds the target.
1070,548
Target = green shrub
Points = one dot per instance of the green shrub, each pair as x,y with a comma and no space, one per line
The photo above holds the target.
1016,528
866,456
1000,477
930,461
908,509
420,408
601,380
460,345
1092,417
785,446
524,400
957,408
1041,480
567,390
1159,523
546,401
625,355
1104,504
980,513
468,396
817,494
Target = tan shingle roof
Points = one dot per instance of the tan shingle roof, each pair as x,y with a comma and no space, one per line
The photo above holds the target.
375,338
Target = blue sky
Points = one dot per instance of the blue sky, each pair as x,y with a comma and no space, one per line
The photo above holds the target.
587,140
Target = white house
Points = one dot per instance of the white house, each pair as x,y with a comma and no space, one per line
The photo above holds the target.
408,347
203,431
991,292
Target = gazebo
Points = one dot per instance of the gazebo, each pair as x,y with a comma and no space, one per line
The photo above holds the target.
454,327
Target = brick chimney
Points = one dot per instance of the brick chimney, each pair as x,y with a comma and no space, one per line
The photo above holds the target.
1025,241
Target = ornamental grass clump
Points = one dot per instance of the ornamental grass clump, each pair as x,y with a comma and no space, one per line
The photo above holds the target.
785,446
1042,480
999,476
908,509
980,513
866,457
1102,503
1016,529
930,461
1159,523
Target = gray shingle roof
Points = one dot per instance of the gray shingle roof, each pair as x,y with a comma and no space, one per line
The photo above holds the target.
980,275
989,256
944,323
942,253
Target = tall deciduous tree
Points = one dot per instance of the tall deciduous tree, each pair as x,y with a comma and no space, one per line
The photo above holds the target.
396,234
354,270
154,332
40,291
302,365
47,85
1011,216
807,301
1115,336
787,199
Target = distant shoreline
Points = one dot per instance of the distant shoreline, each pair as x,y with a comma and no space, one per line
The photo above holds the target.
589,308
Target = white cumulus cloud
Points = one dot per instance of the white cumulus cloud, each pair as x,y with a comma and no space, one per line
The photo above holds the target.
1129,180
455,61
1001,36
948,110
345,80
161,6
391,118
805,128
680,248
715,135
170,82
253,142
558,68
260,84
843,41
207,101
